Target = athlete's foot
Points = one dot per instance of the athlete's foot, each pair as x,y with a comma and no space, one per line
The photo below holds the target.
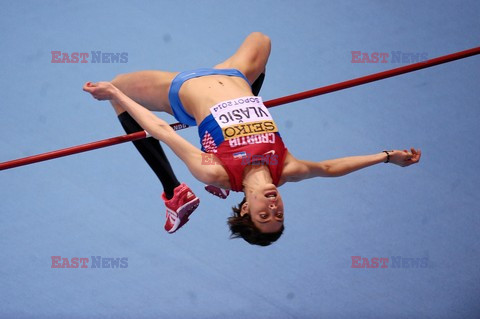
179,207
217,191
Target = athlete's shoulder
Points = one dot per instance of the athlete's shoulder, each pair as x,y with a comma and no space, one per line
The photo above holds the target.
293,169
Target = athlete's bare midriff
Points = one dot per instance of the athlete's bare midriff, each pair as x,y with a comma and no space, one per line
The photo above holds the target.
198,95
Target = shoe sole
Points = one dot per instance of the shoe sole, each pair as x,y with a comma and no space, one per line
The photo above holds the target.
212,190
184,212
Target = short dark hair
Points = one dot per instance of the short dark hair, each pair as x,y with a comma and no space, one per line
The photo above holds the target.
243,227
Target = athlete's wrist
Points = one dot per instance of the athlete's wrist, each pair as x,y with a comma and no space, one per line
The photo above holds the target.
115,93
387,155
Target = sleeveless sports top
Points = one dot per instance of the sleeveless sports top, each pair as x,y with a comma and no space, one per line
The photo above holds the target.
241,132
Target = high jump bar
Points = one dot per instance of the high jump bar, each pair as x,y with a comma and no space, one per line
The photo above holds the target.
271,103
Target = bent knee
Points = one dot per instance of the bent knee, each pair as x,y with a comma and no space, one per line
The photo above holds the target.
261,37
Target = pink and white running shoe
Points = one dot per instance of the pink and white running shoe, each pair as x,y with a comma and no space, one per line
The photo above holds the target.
179,207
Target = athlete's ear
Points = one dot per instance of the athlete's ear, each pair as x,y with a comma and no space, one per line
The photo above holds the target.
244,210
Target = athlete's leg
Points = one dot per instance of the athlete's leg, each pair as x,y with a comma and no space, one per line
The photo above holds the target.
150,89
251,57
147,88
257,85
153,154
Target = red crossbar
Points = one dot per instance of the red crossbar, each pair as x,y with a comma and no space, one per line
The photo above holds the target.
271,103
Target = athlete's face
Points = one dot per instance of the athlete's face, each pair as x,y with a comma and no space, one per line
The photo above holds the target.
265,207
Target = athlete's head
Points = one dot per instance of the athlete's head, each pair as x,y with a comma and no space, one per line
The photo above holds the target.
259,217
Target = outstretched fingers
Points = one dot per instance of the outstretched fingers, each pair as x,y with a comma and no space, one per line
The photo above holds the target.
412,157
416,154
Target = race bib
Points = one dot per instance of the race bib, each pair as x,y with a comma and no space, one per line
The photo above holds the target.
243,116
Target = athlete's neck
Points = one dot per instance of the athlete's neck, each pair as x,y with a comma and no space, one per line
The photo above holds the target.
255,177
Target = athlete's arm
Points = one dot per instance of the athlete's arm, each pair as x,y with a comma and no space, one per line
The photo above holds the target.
296,170
159,129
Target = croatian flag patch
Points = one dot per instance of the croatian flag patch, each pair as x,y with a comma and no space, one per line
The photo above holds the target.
240,154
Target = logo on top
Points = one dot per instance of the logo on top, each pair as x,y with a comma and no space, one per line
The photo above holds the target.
242,117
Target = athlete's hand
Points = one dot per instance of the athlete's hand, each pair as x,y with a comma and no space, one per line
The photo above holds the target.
100,90
405,158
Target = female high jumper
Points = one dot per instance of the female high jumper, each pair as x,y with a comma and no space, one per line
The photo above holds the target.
236,131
